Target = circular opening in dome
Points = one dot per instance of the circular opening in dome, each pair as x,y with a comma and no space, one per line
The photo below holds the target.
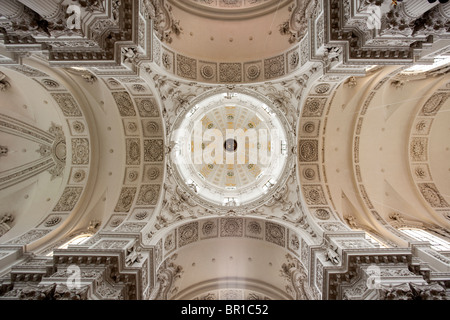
231,149
230,145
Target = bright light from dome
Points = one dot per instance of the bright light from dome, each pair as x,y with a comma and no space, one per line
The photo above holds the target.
439,61
236,148
77,240
421,235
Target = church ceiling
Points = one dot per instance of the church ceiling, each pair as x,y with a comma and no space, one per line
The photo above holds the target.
98,103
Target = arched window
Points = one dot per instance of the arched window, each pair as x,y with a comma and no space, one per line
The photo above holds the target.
436,242
80,239
439,61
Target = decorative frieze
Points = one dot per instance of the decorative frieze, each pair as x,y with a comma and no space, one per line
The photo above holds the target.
170,243
80,151
252,70
133,147
322,213
152,173
110,244
68,199
126,199
186,67
332,226
124,104
434,104
147,107
67,104
308,150
432,195
52,221
353,244
314,195
31,292
314,107
130,227
187,234
419,149
153,150
230,72
209,229
254,229
208,71
231,227
274,67
148,195
152,128
276,234
29,237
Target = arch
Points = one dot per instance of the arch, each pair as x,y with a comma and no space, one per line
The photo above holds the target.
64,146
211,255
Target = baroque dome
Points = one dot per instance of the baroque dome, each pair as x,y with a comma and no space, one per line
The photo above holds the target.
231,148
224,149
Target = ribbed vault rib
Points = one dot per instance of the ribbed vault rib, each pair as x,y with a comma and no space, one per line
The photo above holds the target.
27,171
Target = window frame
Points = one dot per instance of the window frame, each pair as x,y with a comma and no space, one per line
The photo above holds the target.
437,243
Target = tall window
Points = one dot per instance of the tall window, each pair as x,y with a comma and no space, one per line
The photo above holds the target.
439,61
436,242
80,239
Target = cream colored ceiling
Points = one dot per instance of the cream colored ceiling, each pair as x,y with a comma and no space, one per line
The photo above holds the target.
368,132
231,34
224,264
30,199
439,150
36,200
384,138
364,144
229,9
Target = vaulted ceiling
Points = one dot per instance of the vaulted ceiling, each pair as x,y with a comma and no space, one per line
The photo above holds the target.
90,121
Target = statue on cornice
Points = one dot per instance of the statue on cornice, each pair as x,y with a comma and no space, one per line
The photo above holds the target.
351,82
93,226
5,223
351,220
397,217
4,84
332,256
134,256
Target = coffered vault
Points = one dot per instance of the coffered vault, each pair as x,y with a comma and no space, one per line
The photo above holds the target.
93,92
